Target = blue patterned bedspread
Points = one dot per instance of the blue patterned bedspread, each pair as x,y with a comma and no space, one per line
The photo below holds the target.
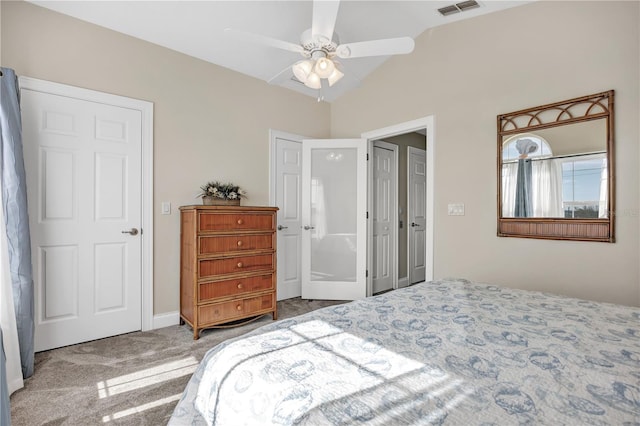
443,352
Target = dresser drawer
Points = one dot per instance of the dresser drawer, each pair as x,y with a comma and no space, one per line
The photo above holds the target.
239,264
230,243
215,290
226,311
235,222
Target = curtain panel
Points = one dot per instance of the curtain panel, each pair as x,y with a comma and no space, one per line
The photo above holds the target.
14,205
5,409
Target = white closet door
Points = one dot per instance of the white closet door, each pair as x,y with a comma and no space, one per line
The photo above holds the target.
416,214
288,192
384,219
83,163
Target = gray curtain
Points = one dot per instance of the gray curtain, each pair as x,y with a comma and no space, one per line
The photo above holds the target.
5,409
14,203
524,199
524,196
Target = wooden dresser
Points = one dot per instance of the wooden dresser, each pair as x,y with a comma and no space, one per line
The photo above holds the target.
227,265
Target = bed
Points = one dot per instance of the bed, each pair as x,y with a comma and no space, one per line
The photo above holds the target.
446,352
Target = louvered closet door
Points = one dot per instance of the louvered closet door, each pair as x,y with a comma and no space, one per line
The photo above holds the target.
83,163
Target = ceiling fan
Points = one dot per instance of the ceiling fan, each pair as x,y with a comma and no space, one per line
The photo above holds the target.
320,48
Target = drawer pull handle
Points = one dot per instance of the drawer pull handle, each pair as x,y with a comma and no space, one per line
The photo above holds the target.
240,265
239,243
240,221
239,307
239,285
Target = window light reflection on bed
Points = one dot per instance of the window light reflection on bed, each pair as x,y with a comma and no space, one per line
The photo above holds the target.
147,377
349,365
140,408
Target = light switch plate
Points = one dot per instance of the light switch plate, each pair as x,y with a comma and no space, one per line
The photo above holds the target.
456,209
166,207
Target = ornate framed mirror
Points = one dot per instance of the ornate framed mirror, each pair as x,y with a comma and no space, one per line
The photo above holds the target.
556,171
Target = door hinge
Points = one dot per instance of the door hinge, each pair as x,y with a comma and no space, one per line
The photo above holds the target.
367,215
366,274
367,156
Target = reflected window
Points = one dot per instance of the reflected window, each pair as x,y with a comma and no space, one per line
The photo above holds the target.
543,181
510,150
569,186
584,186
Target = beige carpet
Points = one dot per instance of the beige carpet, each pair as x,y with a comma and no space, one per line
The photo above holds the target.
132,379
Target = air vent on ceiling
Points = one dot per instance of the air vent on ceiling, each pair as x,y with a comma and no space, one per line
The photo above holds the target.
458,7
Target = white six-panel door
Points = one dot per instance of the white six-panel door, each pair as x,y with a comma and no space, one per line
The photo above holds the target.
384,219
288,191
83,163
416,214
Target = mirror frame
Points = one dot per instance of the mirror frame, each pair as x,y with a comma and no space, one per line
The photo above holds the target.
586,108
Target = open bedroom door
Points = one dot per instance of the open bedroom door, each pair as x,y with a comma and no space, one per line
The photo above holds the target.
334,224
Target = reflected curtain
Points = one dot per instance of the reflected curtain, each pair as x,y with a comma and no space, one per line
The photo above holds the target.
523,201
16,219
604,191
509,180
547,188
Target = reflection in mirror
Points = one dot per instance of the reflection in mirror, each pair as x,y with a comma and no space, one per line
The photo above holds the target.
556,170
559,172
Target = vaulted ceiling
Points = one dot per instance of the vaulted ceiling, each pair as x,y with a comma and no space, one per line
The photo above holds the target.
196,28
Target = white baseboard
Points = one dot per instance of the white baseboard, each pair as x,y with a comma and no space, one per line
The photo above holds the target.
166,320
403,282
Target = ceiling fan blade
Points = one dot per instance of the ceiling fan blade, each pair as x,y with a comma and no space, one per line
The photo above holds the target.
325,13
384,47
264,40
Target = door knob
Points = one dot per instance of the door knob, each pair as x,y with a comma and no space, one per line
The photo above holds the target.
413,224
280,227
132,231
307,227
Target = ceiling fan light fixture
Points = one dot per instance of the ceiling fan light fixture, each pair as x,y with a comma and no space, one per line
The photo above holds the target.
302,69
335,76
313,81
324,67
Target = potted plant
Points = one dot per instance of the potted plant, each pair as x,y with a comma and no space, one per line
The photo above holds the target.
221,194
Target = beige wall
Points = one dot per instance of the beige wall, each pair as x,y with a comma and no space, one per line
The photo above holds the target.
210,122
467,73
213,123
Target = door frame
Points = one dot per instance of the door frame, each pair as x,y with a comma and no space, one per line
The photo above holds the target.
394,217
146,225
427,123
